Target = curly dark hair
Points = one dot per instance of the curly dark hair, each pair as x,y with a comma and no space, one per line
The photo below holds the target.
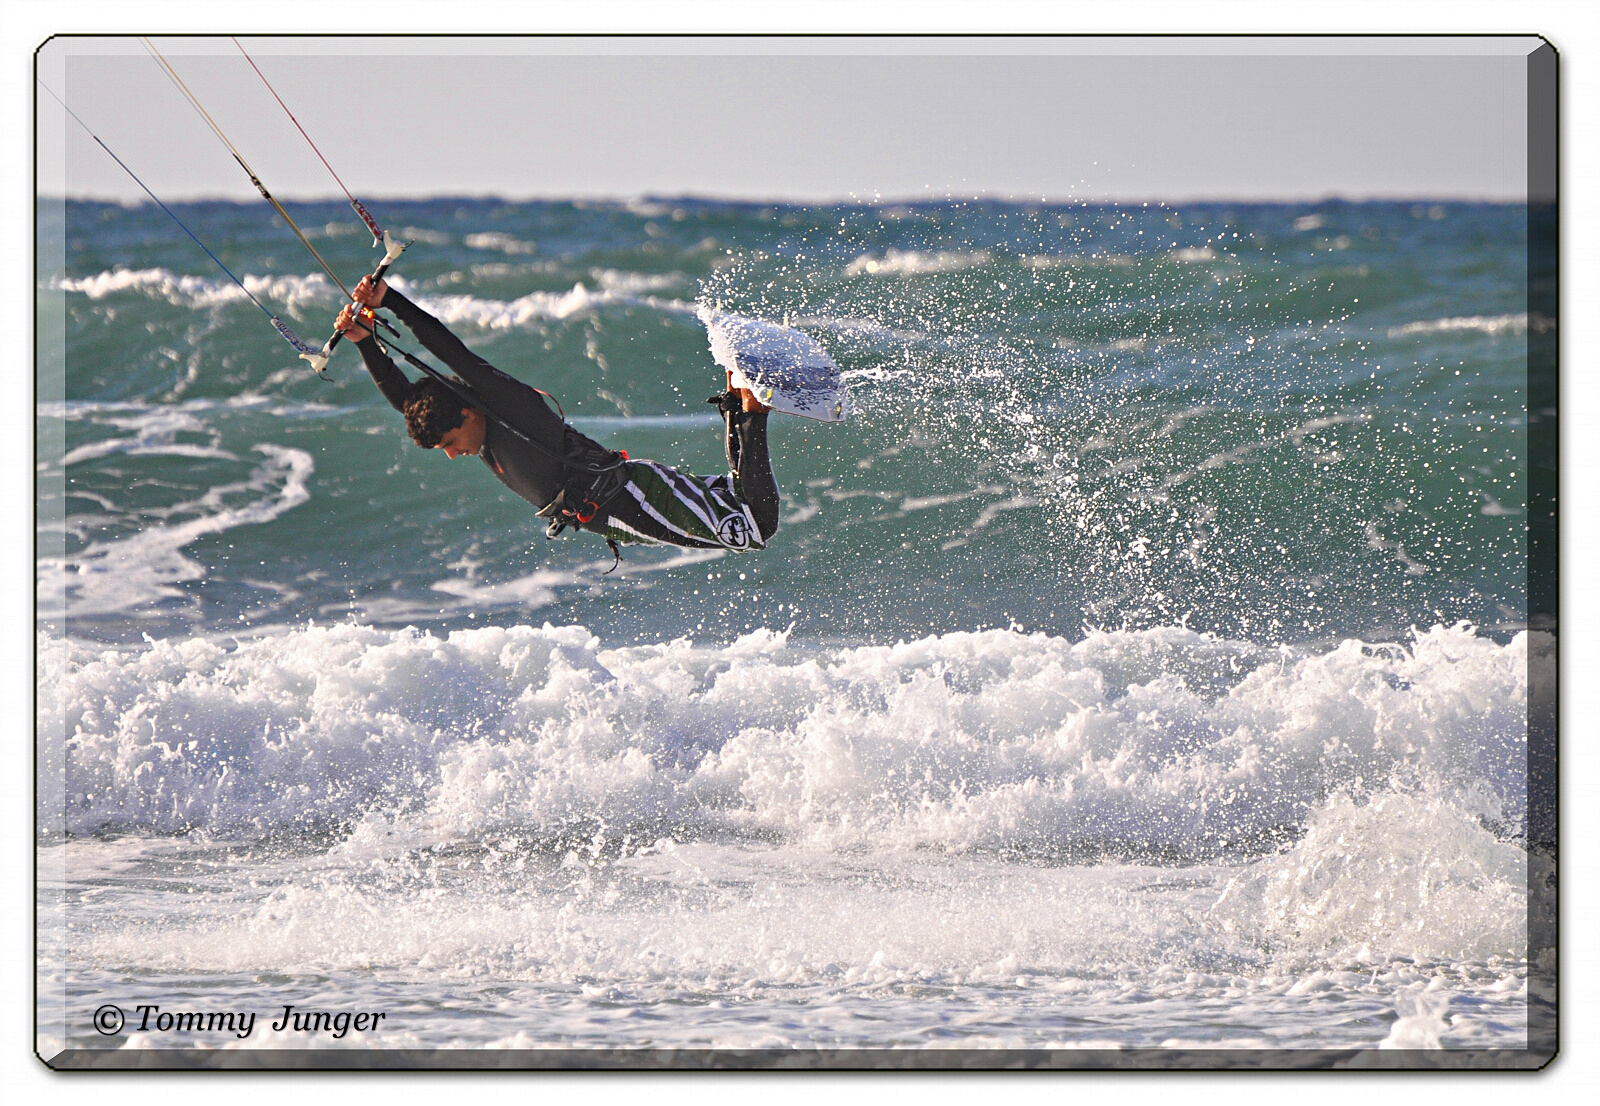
432,411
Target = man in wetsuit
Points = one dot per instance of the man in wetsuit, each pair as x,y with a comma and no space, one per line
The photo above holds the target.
572,479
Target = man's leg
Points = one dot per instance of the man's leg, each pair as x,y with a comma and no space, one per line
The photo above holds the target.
752,468
745,419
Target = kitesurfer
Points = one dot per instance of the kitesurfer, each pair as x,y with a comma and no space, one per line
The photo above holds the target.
572,479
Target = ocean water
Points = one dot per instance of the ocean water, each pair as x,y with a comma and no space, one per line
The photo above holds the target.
1144,664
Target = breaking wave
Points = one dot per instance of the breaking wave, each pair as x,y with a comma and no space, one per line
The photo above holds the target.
1161,744
194,291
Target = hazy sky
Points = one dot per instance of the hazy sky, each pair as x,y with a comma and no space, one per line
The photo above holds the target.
800,119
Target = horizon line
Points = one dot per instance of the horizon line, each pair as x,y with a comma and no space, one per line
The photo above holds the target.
846,200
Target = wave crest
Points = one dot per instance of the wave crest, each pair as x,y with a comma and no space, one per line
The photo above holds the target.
193,291
1159,744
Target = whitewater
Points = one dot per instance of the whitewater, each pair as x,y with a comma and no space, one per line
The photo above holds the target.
755,843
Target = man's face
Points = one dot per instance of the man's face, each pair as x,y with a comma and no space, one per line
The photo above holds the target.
466,438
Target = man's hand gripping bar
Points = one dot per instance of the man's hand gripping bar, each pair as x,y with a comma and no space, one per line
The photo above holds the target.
391,253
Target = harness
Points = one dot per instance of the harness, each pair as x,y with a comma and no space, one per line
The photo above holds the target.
594,473
588,489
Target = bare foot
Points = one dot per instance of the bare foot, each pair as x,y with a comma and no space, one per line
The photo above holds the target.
746,397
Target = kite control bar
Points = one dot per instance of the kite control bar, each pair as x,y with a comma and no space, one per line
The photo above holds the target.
391,252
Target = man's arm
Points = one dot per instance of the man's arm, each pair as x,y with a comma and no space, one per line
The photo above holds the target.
384,372
511,399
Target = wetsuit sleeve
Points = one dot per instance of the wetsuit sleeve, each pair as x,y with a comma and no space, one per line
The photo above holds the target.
509,397
385,374
752,468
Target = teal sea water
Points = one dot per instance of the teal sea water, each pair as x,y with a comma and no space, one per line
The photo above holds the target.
1283,423
1167,587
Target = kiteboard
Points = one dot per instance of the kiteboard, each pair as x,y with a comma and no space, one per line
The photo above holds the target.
784,368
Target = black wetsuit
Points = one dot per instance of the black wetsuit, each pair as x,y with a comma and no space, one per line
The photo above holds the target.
638,501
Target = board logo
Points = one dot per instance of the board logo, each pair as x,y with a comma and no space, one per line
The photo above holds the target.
734,532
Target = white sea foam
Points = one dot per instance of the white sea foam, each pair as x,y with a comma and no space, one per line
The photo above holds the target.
806,843
497,241
618,280
143,570
992,510
1075,260
529,592
1158,742
1413,874
424,234
649,209
491,314
1377,542
869,329
143,416
909,262
291,292
471,594
1295,435
755,946
1494,508
155,433
1493,325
